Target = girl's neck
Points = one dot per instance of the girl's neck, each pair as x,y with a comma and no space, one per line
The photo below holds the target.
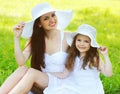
82,55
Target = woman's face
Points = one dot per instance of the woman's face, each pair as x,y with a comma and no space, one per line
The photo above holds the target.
82,43
48,21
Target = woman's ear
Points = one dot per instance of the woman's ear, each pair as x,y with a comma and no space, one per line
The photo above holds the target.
40,26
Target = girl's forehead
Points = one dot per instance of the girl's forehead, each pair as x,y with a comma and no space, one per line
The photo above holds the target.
82,36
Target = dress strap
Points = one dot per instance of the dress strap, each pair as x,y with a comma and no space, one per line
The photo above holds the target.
62,36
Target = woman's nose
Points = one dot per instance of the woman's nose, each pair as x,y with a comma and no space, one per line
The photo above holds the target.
52,19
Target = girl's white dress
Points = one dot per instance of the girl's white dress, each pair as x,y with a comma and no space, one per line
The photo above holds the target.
80,81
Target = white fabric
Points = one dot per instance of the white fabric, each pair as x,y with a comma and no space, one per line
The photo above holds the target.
63,16
80,81
55,63
86,30
30,92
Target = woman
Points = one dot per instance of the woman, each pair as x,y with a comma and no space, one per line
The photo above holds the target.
47,47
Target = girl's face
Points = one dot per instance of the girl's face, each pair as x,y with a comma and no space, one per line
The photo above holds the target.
82,43
48,21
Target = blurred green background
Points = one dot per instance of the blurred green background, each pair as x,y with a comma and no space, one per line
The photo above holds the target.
104,15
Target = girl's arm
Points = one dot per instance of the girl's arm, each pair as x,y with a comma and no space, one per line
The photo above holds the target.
61,75
106,66
20,56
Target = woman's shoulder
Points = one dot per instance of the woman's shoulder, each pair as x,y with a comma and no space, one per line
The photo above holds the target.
67,33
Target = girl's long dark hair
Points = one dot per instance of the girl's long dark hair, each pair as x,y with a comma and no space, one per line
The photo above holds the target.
37,46
92,56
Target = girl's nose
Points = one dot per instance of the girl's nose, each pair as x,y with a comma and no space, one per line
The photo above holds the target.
81,42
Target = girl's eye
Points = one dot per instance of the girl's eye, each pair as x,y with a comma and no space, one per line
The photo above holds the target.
86,41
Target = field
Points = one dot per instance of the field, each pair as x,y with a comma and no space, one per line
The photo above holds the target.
104,15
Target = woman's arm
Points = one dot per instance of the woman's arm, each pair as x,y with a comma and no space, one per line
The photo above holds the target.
106,66
61,75
20,56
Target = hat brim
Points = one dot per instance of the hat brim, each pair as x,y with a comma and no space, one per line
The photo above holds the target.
64,18
72,35
28,29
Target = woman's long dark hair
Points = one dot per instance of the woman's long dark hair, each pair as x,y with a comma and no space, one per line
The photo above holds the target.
37,43
92,56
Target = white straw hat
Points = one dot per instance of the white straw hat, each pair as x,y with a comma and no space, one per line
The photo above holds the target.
64,17
86,30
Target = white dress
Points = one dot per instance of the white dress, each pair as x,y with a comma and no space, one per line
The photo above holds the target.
56,63
88,80
80,81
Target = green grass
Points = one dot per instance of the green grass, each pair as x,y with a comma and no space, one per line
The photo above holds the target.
104,15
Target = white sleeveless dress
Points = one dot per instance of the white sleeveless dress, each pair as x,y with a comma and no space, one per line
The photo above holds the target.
88,80
80,81
56,63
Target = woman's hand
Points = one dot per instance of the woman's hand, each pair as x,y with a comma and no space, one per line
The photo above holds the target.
18,29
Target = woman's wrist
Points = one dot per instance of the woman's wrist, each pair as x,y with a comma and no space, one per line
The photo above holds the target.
16,38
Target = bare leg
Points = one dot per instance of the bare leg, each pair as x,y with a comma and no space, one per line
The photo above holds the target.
32,76
12,80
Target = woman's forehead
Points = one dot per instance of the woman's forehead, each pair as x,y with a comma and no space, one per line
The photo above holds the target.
47,14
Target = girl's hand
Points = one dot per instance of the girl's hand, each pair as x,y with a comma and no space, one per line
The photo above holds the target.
103,50
18,29
61,75
105,65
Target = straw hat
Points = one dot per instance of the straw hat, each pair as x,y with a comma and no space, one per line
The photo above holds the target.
86,30
63,16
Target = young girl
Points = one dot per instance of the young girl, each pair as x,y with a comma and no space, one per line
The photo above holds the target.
85,63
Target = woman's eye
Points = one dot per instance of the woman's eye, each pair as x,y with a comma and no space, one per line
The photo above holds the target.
46,18
53,15
78,40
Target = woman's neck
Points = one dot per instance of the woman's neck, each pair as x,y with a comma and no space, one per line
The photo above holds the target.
51,34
